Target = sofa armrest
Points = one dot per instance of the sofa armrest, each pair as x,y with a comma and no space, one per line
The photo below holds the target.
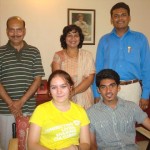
13,144
143,131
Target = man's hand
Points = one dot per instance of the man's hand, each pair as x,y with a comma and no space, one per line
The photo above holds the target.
15,108
96,100
144,103
18,104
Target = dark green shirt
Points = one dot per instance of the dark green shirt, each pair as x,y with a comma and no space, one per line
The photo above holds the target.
17,72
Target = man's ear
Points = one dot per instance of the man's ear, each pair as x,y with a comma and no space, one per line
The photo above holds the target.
111,21
130,19
98,90
24,31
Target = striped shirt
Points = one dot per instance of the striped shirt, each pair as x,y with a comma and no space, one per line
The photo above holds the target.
17,72
115,128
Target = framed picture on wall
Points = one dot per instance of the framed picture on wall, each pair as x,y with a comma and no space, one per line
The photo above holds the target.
85,19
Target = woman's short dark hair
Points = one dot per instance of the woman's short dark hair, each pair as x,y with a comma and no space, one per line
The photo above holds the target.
68,29
62,74
120,5
107,74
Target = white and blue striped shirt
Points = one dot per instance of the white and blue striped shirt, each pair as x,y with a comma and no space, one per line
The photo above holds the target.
115,128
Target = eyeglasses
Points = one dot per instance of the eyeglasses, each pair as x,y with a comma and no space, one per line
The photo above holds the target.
18,31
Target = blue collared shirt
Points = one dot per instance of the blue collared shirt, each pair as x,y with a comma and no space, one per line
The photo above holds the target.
128,55
115,128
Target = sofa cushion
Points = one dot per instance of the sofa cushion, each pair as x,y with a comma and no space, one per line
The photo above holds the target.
22,123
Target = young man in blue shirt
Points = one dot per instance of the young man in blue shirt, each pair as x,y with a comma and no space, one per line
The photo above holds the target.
127,52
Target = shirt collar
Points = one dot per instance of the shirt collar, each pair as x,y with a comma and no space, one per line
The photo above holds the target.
10,47
103,106
114,31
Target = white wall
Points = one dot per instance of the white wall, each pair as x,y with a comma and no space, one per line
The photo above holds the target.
45,20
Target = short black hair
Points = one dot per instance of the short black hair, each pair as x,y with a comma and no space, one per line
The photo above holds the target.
107,74
66,30
120,5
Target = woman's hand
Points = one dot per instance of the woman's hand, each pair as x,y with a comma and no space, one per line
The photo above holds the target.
72,147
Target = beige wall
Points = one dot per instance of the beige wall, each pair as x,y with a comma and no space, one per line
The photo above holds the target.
45,20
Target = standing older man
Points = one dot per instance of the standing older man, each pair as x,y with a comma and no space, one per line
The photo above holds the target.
21,71
128,53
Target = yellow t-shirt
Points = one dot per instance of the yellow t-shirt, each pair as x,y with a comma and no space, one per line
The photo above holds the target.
59,129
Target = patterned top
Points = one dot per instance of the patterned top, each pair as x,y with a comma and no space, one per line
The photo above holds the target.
115,128
17,72
79,68
67,63
59,129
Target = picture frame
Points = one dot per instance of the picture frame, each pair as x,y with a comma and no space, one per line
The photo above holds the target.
85,19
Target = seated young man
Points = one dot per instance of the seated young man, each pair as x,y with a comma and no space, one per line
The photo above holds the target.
113,119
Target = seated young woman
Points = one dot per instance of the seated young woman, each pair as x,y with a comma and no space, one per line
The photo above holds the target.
60,123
